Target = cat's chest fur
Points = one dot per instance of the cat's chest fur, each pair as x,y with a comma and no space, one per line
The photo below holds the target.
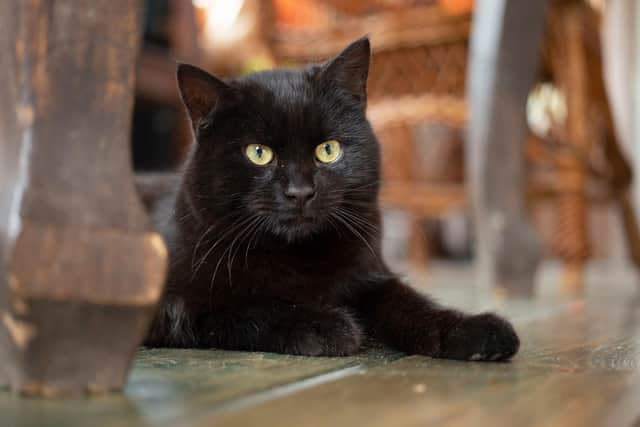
323,271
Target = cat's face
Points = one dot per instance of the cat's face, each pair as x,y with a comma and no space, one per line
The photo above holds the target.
287,149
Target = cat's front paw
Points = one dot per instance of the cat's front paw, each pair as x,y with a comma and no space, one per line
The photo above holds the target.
483,337
334,333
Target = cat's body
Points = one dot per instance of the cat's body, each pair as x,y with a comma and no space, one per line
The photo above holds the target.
285,256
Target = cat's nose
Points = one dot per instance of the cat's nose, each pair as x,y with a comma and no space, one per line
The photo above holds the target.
300,194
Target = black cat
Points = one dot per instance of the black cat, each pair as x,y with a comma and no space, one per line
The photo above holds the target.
274,227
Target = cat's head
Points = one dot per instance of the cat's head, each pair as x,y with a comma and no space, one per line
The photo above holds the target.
288,149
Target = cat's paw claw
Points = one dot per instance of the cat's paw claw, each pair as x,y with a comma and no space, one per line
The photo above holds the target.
484,337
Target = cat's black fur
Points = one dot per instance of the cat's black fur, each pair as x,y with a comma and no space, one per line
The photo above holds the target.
255,265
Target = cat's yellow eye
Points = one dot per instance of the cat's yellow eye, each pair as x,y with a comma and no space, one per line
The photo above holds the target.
259,154
328,151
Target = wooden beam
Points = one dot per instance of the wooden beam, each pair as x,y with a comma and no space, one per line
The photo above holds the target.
80,270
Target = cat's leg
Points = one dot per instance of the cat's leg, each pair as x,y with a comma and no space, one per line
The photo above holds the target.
401,317
281,328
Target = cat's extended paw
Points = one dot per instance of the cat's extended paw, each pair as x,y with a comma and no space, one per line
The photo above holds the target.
334,333
483,337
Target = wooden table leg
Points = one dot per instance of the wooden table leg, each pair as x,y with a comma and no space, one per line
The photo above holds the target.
504,61
80,270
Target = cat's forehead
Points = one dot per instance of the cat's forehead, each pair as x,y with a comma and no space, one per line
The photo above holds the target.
287,107
281,88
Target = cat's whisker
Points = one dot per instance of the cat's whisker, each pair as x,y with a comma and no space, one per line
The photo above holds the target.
356,217
363,223
252,239
351,228
247,232
238,223
334,225
222,256
215,271
199,242
374,234
358,205
229,251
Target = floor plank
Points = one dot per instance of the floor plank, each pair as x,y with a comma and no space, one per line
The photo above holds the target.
578,367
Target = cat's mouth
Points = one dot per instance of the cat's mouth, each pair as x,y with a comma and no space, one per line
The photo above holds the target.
298,213
300,220
297,224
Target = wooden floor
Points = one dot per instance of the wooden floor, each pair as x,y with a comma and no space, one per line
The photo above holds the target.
579,366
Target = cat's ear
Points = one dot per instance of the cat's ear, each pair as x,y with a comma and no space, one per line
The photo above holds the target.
350,69
203,94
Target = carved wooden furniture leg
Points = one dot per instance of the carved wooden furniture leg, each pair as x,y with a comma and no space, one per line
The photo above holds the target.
503,64
80,270
568,57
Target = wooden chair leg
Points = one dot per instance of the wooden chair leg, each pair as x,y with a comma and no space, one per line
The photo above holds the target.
503,65
571,70
80,270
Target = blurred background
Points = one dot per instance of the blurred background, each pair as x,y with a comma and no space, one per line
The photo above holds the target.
417,106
